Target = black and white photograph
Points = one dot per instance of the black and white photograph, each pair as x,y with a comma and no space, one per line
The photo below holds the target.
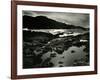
55,39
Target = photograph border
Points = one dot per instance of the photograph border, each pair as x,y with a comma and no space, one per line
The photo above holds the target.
14,38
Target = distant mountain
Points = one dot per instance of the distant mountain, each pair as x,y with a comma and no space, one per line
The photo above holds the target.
42,22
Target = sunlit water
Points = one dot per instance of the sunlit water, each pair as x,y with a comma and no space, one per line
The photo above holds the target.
67,57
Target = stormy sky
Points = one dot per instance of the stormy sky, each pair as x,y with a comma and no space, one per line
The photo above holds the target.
77,19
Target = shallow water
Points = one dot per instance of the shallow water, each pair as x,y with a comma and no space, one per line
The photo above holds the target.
68,57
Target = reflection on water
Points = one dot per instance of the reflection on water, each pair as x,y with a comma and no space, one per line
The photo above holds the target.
68,57
48,50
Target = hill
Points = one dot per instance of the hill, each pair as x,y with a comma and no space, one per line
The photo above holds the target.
42,22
